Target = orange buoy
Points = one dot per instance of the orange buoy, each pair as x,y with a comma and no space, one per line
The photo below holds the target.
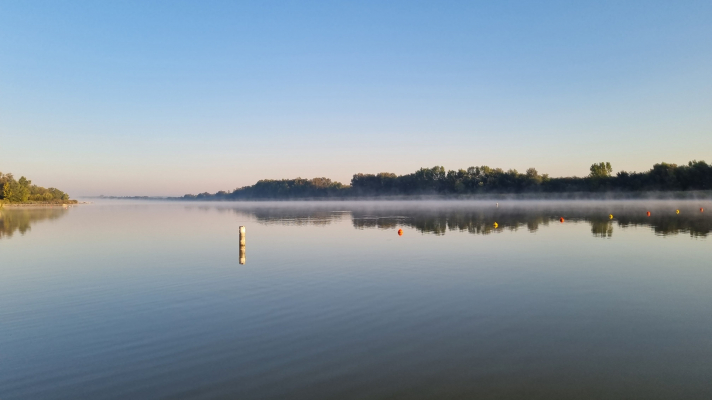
648,213
561,219
702,209
400,232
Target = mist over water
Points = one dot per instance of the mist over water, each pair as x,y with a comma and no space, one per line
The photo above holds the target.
129,299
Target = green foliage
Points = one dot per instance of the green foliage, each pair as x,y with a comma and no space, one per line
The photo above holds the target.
23,191
15,191
601,170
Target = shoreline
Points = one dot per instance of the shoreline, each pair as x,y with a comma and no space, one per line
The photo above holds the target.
31,205
550,196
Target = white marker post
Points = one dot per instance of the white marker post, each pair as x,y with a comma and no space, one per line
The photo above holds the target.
242,245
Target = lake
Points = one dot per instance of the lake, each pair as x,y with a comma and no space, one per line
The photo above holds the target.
150,300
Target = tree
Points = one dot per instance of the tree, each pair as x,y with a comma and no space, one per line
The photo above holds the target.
15,191
601,170
533,177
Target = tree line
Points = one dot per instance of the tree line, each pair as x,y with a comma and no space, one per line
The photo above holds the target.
23,191
695,175
279,189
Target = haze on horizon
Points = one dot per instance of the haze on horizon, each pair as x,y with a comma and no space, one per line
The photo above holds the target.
168,98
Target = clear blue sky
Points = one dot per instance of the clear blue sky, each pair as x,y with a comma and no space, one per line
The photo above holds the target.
167,98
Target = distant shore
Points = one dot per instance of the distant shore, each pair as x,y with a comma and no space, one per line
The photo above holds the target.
657,195
485,182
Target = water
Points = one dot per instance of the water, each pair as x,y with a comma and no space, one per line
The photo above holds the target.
148,300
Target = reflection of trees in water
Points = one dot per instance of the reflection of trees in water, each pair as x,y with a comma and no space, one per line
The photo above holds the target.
21,219
440,222
282,215
480,220
286,216
601,228
697,225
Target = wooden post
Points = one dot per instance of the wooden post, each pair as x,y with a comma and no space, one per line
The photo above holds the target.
242,245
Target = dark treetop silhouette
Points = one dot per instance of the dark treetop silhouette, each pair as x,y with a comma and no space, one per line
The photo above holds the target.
696,175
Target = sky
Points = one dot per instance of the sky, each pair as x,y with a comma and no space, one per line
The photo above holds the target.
174,97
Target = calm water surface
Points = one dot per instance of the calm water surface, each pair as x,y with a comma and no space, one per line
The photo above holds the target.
148,300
